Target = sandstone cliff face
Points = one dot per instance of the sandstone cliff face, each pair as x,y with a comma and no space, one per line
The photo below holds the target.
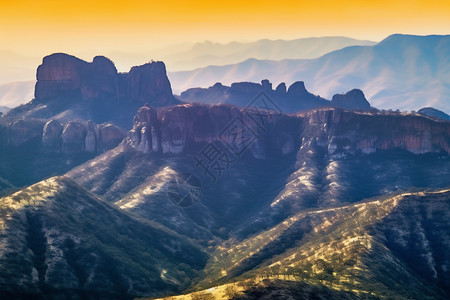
188,128
51,136
79,137
185,128
22,131
62,75
344,132
55,137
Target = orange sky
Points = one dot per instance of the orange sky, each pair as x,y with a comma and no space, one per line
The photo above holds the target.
75,25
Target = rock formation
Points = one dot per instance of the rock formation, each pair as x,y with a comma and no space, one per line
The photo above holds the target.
344,132
289,100
353,99
22,131
186,128
62,75
78,137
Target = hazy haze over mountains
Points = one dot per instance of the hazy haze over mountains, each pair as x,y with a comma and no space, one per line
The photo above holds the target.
401,72
18,72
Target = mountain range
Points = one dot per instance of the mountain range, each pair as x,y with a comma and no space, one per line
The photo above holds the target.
113,188
17,71
401,72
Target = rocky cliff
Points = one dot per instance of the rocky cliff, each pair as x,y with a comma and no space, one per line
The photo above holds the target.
69,88
56,137
62,75
343,132
340,132
187,128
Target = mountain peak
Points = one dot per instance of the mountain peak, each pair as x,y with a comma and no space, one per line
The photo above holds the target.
353,99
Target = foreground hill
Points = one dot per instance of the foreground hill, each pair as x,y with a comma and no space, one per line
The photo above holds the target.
389,247
401,72
58,240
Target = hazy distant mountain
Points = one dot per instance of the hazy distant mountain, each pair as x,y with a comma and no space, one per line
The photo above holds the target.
15,93
3,109
208,53
17,67
401,72
280,99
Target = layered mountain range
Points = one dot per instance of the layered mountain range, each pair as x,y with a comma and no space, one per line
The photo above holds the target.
245,201
283,99
401,72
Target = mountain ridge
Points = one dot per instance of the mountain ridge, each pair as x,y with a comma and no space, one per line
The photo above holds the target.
76,245
391,77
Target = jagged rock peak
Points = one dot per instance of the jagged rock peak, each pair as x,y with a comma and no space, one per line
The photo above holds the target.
281,88
146,114
266,85
297,89
353,99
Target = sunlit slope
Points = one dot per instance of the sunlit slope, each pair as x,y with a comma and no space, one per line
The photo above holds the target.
389,246
59,240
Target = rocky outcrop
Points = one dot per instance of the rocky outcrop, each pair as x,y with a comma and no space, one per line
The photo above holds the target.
78,137
287,100
144,136
51,137
297,89
353,99
187,128
281,88
109,136
73,137
56,137
22,131
344,132
61,75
